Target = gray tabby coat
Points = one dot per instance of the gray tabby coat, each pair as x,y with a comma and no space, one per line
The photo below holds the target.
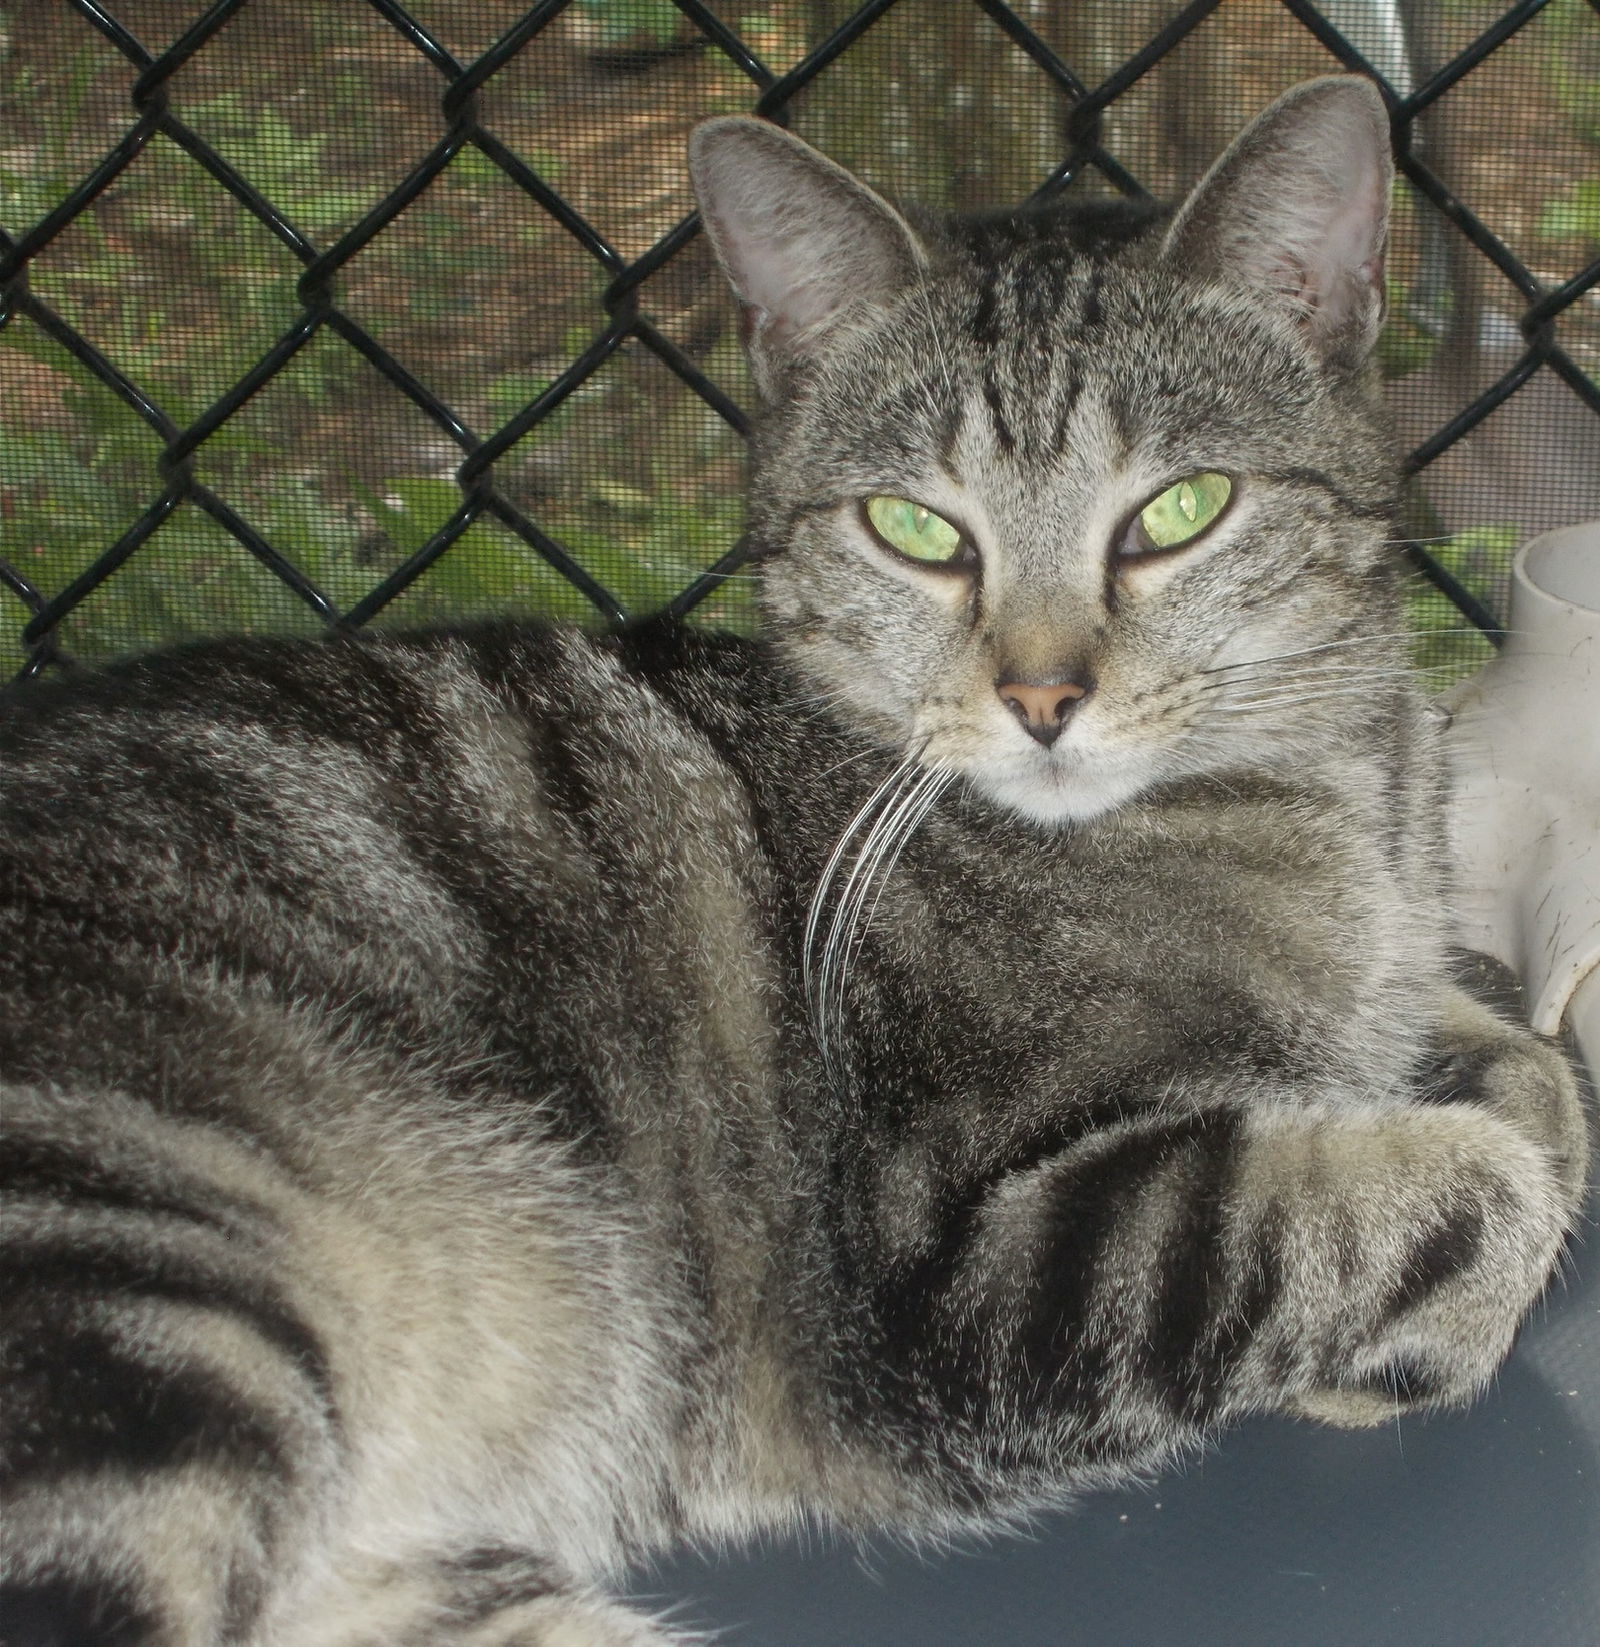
486,1104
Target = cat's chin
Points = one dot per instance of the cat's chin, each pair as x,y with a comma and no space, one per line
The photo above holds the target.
1055,795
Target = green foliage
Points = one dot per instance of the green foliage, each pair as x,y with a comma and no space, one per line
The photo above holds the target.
64,506
286,166
1403,345
192,578
31,185
410,511
1409,340
1447,648
1575,64
1573,214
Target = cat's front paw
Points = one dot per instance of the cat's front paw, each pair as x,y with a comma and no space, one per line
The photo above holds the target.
1419,1240
1398,1387
1344,1409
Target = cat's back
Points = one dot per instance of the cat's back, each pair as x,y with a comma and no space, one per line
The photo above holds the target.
431,836
347,990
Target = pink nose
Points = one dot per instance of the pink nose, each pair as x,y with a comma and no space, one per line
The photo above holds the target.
1043,710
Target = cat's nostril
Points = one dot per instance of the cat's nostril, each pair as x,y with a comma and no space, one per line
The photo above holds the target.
1042,709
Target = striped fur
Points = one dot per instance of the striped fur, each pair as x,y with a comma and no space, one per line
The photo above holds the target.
485,1105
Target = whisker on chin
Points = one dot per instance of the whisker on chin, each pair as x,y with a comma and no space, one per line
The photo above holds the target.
888,831
814,700
811,971
848,760
895,808
915,809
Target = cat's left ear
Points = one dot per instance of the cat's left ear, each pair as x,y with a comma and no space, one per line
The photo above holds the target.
1297,211
802,242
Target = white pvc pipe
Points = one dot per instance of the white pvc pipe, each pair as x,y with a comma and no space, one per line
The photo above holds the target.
1526,817
1377,30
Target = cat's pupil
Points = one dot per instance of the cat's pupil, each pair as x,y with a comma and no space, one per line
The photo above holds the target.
1187,502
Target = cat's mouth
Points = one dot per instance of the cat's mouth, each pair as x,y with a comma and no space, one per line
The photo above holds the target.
1063,784
1072,779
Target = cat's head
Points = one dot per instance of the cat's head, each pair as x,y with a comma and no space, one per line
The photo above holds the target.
1073,510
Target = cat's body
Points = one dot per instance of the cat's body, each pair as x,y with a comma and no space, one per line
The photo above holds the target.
485,1104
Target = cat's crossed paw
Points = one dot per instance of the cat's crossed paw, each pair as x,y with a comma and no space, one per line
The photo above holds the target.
1421,1237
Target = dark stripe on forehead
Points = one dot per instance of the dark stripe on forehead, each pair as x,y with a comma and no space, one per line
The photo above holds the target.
1121,414
1091,313
1066,401
1042,281
986,327
1003,432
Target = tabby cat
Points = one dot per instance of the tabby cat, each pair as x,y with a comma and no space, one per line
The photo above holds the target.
487,1104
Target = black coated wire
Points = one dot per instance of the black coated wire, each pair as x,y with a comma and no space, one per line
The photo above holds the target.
624,320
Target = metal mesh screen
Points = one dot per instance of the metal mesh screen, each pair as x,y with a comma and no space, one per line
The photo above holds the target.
365,311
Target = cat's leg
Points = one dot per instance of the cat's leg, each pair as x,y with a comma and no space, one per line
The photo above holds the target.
486,1597
1501,1070
1507,1145
1502,1066
213,1429
1097,1303
168,1427
570,1619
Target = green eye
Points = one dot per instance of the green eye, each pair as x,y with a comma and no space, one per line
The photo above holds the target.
913,530
1180,513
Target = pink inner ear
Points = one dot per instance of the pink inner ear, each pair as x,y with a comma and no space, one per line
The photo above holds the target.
1291,280
800,240
1356,231
1327,264
1298,210
774,269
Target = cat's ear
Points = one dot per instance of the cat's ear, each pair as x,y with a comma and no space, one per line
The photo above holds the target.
1297,211
802,242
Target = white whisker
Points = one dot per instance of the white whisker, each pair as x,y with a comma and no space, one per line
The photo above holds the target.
1289,700
836,948
811,965
1309,651
936,334
923,805
895,809
848,760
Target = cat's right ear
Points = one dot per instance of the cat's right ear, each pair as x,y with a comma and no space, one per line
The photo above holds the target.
1297,212
801,241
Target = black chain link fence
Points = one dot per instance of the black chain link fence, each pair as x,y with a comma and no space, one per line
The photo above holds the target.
281,355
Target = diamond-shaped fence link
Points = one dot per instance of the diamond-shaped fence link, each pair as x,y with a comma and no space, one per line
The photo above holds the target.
194,363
